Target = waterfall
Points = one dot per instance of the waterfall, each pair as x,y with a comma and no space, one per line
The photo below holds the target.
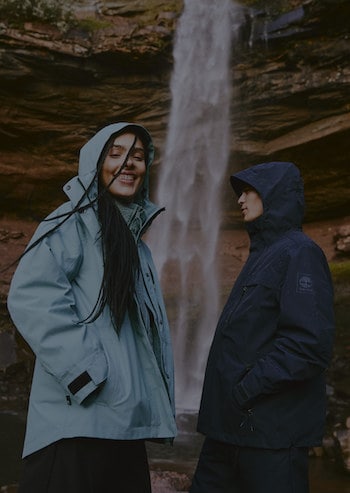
193,167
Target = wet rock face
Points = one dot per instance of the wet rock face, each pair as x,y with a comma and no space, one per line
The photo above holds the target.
292,82
58,87
291,78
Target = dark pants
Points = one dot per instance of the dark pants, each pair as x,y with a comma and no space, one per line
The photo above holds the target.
225,468
87,465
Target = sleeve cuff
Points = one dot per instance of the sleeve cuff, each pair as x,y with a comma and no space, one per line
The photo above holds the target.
82,384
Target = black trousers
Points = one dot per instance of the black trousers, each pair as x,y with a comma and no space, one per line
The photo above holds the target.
87,465
225,468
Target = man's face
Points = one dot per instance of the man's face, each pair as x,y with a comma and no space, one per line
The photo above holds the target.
251,204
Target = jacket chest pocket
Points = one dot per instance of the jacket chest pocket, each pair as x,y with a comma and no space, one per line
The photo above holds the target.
255,303
258,295
261,295
267,279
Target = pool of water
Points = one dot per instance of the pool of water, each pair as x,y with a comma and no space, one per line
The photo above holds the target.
325,477
181,457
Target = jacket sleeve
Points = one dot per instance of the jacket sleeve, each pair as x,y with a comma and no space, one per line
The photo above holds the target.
42,306
303,343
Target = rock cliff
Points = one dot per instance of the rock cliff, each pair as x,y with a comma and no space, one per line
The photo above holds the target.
291,75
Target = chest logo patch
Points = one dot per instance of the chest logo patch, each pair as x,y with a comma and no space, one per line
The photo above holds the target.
304,283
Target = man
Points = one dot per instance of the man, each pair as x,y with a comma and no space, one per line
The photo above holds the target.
264,402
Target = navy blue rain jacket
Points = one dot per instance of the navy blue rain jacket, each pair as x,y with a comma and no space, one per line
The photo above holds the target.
265,379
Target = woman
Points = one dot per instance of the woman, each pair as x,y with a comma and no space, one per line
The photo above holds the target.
86,298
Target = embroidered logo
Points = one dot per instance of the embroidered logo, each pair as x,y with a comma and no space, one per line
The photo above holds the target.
305,284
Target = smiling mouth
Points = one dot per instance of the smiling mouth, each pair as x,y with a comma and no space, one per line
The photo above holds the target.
126,178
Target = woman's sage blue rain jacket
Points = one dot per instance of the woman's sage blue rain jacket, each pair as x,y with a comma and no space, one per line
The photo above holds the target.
265,377
88,381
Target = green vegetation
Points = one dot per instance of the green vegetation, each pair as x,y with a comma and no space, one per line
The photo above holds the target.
340,271
91,24
56,12
61,13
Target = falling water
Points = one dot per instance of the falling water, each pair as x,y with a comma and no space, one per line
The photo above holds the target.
193,167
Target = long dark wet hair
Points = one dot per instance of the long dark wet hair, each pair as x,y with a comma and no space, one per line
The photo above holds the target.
120,254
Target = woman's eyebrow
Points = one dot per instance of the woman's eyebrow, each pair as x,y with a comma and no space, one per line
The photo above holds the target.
139,149
119,146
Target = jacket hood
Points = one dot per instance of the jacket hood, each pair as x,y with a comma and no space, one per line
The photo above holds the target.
281,189
91,152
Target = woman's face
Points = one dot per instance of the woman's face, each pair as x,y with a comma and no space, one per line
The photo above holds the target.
128,183
251,204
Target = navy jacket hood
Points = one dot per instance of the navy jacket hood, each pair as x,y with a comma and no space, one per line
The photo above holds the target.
281,189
